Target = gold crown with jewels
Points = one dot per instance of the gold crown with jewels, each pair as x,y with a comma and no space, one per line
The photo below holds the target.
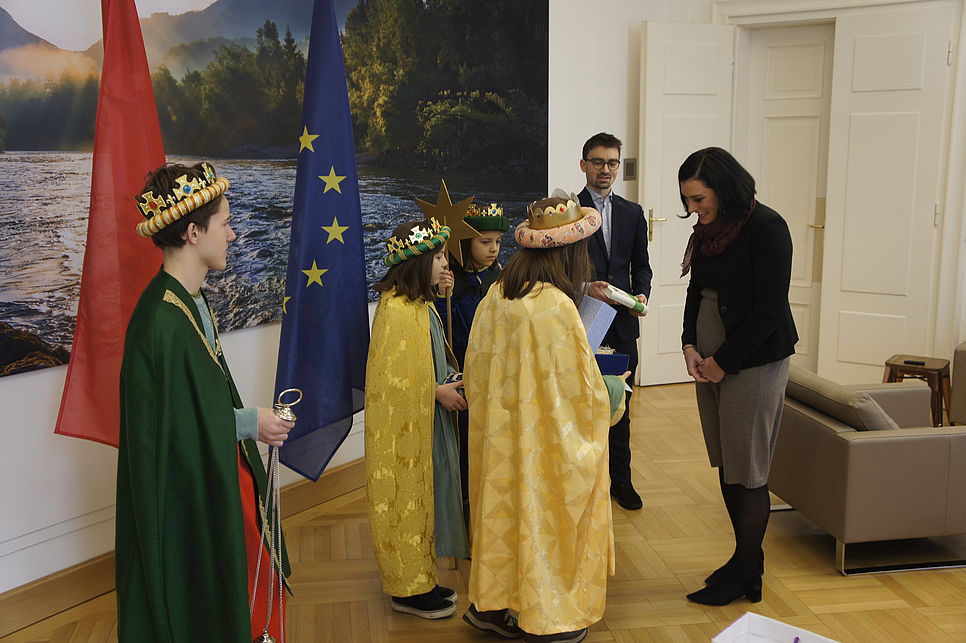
554,212
487,218
188,195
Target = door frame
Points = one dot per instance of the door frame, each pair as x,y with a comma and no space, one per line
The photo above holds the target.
686,104
804,290
948,301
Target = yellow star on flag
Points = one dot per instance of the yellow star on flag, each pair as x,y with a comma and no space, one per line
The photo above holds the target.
305,140
285,301
451,215
315,274
335,231
332,181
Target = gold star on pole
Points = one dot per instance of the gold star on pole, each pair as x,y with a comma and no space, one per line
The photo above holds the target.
285,301
335,231
314,274
305,140
451,215
332,181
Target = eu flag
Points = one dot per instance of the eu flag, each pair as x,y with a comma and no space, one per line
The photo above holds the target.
325,320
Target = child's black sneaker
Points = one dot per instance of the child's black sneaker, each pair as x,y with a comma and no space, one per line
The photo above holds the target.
561,637
446,593
499,622
428,605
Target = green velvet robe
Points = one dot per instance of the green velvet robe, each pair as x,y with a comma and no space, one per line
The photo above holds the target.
181,567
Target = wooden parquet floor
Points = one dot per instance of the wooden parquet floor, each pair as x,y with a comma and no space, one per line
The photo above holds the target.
664,551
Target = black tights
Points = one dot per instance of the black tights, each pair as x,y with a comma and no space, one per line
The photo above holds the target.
749,510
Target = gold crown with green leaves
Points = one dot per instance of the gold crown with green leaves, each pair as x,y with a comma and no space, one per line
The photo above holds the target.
186,196
488,218
421,239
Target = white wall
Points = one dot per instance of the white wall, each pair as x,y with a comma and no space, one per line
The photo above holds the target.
58,492
595,51
595,64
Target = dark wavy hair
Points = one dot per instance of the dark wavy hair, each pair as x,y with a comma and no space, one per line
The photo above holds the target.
163,181
720,171
566,267
600,139
412,278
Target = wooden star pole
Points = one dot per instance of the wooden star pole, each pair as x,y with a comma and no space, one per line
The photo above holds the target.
451,215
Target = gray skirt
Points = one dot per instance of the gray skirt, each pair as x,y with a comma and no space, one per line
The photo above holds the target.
741,413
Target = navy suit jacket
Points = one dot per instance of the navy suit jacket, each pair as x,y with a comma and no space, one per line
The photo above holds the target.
627,267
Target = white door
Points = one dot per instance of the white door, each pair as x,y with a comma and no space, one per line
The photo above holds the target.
885,150
686,78
786,150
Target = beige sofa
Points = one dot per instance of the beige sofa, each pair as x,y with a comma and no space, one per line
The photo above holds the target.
865,464
957,401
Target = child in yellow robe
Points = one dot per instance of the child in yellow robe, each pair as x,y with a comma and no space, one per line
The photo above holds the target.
412,464
540,411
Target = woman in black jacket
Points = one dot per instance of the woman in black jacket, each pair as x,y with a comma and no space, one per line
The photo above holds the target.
738,336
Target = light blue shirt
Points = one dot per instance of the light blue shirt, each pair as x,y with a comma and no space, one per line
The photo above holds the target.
603,205
246,420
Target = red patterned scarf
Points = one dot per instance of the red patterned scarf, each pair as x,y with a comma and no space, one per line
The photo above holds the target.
713,238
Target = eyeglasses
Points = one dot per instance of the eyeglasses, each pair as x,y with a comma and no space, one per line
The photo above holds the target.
598,164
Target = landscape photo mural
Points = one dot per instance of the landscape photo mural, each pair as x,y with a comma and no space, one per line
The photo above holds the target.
453,89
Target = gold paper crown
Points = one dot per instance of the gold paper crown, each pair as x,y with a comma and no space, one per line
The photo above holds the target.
420,241
492,210
186,196
558,212
486,219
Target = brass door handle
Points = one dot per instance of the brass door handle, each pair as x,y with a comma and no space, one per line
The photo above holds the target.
816,227
650,223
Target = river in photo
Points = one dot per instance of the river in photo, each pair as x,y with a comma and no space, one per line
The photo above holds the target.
43,228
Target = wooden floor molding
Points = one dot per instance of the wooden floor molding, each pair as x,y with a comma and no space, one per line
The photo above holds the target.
49,595
663,552
53,594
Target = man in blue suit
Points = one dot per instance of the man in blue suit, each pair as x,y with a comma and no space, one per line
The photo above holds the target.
619,252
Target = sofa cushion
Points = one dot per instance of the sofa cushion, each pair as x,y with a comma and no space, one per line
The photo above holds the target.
854,408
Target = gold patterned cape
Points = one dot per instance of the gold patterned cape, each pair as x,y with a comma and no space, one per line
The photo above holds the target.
539,416
400,397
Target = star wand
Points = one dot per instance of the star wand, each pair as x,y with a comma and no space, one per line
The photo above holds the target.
451,215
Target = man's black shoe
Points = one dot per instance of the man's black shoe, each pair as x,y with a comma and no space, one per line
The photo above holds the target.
626,496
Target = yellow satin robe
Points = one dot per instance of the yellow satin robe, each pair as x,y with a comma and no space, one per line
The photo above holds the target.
543,542
400,394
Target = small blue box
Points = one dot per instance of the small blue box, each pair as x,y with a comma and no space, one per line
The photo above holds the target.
613,364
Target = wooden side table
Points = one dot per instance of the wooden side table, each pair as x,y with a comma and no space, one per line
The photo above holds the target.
931,370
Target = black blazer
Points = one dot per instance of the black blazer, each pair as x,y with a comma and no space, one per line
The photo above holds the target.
627,267
752,278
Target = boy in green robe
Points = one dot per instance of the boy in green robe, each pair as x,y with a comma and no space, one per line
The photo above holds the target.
189,472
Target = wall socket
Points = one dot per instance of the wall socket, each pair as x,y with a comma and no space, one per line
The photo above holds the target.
630,169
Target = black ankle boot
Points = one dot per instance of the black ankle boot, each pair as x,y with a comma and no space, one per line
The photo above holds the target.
727,590
626,496
715,576
726,569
